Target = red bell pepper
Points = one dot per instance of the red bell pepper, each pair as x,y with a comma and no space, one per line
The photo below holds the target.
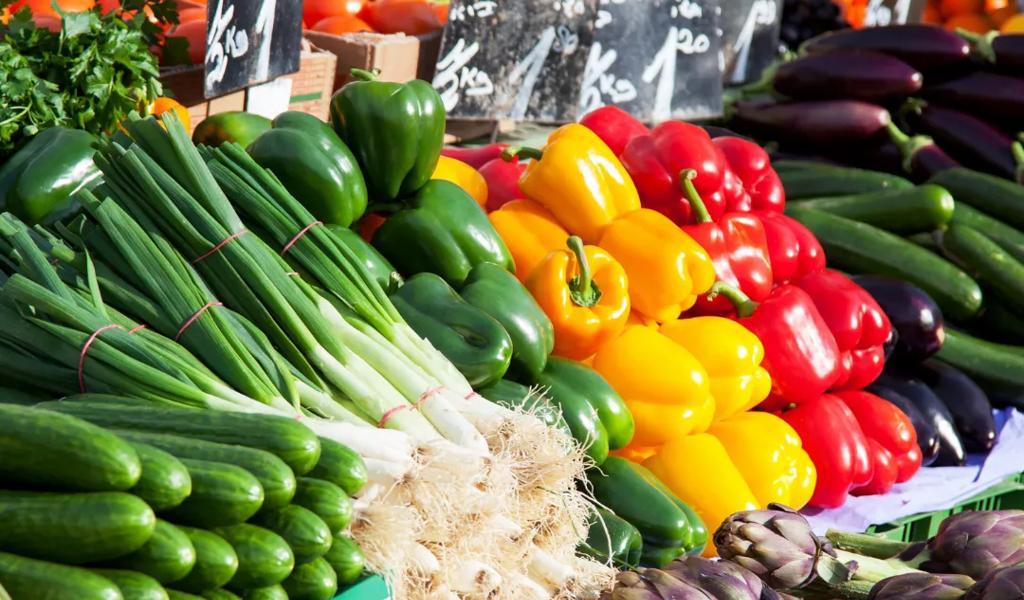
737,246
885,423
856,321
792,248
475,157
502,179
754,168
614,126
883,474
831,436
799,351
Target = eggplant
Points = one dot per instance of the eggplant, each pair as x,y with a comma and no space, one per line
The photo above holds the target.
1005,52
851,74
951,447
966,138
913,313
966,401
878,154
927,437
921,156
923,47
990,94
716,132
815,123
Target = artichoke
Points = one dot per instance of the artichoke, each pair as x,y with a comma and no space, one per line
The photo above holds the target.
1006,583
691,578
921,586
973,543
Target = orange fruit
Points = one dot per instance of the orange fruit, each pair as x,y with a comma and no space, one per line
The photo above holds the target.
1014,24
164,104
1000,15
993,5
314,11
951,8
342,24
970,22
194,32
43,7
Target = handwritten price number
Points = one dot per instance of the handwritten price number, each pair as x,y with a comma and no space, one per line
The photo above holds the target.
663,67
481,9
599,83
225,40
762,13
880,15
686,9
455,75
604,17
570,8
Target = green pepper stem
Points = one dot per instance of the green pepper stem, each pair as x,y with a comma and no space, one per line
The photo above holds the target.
582,288
512,152
743,304
686,177
364,75
908,145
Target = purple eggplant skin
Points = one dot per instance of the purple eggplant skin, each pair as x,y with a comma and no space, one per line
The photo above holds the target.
966,138
914,315
921,157
852,74
1008,50
923,47
878,154
814,123
990,94
927,437
951,447
966,401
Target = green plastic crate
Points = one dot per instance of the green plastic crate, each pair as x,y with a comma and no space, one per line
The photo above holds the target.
915,528
371,587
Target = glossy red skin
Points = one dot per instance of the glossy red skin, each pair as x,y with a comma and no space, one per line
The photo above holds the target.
754,168
739,249
502,179
836,445
908,464
475,157
614,126
884,471
792,248
890,427
860,368
852,314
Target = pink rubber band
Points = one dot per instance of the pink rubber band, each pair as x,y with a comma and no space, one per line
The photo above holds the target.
137,328
221,244
470,395
195,316
298,235
85,348
426,395
390,413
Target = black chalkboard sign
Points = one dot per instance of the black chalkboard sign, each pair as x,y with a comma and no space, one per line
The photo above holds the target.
879,13
250,41
750,37
515,59
657,59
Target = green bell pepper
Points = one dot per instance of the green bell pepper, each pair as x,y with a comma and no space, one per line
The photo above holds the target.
667,530
498,293
232,126
611,537
441,230
517,396
314,165
473,341
698,538
371,260
395,129
38,183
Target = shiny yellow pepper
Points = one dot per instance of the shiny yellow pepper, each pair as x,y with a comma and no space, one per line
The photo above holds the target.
464,176
529,231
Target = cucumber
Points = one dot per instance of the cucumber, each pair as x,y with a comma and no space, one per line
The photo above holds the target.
926,241
176,595
165,482
167,557
326,500
30,579
216,562
817,182
133,585
1011,239
220,594
73,528
987,261
273,592
860,248
46,449
264,558
222,494
347,560
906,210
996,364
1000,324
340,465
274,475
22,397
994,196
314,580
306,534
795,164
291,441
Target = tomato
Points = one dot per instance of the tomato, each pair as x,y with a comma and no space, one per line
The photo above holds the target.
192,14
314,11
194,32
342,24
47,22
412,17
44,7
951,8
970,21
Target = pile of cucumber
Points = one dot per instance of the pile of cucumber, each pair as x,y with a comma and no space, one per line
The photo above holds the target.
106,499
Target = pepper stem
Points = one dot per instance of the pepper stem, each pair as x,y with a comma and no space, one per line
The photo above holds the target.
582,288
364,75
512,152
908,145
686,177
744,305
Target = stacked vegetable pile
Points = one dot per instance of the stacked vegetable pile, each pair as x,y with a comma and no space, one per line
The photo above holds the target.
103,497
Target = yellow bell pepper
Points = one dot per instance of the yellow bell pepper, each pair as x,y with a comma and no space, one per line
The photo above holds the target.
665,386
767,453
464,176
732,356
529,231
667,269
579,179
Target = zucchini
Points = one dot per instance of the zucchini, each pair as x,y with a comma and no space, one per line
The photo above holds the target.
994,196
134,585
30,579
821,181
860,248
274,475
264,558
326,500
222,494
219,594
273,592
340,465
290,440
167,557
1011,239
994,364
216,562
987,261
73,528
165,482
176,595
306,534
906,210
42,448
347,560
314,580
